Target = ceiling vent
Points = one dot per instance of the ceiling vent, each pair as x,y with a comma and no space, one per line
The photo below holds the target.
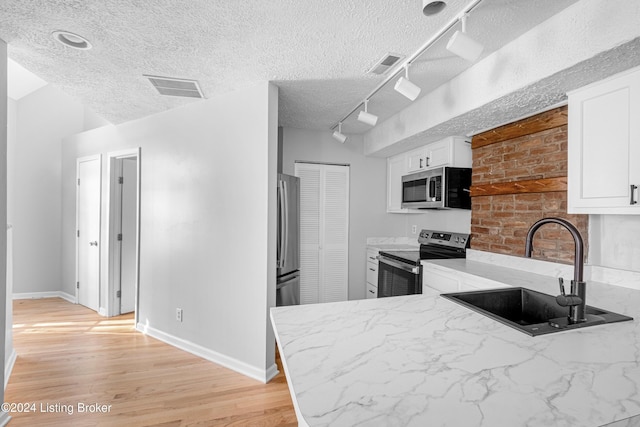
176,87
385,64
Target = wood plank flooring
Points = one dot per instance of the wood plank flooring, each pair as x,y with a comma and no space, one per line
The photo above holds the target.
68,355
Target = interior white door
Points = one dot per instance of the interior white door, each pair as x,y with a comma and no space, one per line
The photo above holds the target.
129,232
324,232
88,231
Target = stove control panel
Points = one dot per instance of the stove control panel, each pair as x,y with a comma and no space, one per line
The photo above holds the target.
456,240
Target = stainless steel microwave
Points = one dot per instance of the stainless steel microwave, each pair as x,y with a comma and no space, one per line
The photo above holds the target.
438,188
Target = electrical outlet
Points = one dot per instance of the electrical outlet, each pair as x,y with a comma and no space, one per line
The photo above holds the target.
414,229
179,314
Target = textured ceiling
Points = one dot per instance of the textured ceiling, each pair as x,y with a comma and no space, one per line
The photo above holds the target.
317,53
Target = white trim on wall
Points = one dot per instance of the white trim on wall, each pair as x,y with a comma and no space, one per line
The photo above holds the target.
243,368
112,301
53,294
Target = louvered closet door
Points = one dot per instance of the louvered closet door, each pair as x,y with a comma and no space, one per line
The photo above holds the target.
324,232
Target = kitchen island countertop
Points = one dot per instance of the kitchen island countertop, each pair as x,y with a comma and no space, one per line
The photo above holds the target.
421,360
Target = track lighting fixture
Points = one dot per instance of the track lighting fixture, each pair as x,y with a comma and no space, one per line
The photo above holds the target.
460,44
463,45
366,117
405,87
338,135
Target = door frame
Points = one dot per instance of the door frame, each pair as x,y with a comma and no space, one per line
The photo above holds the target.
113,250
79,160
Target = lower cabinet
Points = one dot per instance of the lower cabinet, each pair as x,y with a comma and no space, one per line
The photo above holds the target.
372,273
445,280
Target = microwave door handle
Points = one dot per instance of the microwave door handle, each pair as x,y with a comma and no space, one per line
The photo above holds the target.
432,188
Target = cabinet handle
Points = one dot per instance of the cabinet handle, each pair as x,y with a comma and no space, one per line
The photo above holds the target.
427,161
372,257
371,292
633,201
420,163
372,269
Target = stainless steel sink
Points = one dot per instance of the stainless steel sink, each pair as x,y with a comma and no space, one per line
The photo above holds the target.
528,311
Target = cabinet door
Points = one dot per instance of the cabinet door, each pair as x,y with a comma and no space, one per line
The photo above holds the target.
396,168
604,146
417,159
439,153
372,291
372,273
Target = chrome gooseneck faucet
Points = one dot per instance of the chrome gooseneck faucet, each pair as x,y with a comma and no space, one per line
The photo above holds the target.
577,299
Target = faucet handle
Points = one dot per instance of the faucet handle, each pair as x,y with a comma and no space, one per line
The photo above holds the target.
561,283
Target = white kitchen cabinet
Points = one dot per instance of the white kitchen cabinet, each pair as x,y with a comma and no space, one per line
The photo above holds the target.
372,273
444,280
604,146
396,168
417,159
452,151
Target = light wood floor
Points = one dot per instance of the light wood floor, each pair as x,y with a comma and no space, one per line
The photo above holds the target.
68,354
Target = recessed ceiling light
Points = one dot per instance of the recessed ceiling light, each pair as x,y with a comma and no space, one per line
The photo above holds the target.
430,8
71,40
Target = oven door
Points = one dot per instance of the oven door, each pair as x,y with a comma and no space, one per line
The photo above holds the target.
397,278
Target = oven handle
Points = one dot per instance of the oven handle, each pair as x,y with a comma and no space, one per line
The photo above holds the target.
411,269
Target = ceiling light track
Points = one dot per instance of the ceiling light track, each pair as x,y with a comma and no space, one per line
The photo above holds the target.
403,66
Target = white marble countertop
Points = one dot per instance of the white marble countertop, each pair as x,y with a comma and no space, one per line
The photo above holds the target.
393,247
421,360
393,243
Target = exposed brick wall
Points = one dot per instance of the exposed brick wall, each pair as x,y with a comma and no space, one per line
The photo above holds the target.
499,223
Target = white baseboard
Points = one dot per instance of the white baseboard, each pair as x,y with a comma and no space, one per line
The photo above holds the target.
210,355
9,367
51,294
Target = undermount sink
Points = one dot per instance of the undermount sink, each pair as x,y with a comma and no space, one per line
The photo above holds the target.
529,311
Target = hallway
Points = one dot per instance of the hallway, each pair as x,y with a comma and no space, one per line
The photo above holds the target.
77,368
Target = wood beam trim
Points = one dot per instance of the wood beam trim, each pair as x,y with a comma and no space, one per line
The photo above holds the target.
538,123
543,185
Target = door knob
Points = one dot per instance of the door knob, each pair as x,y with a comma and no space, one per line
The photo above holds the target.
94,243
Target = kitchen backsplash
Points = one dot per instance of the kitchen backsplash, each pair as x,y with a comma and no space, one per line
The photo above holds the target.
519,176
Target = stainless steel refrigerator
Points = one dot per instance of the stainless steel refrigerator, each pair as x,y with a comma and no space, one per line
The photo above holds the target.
288,258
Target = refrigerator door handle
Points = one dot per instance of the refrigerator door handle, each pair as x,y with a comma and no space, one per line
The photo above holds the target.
293,278
285,236
280,260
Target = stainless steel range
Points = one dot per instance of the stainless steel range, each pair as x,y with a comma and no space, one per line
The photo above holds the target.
400,272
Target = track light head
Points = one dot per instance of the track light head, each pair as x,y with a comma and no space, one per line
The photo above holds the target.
405,87
366,117
338,135
464,46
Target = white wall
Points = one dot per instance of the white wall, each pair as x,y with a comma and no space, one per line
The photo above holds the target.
208,180
368,182
37,124
3,216
43,118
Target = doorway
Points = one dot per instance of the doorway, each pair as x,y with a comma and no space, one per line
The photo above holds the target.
124,178
88,181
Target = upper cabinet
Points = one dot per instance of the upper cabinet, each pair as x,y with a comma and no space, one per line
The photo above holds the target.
396,168
604,146
452,151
